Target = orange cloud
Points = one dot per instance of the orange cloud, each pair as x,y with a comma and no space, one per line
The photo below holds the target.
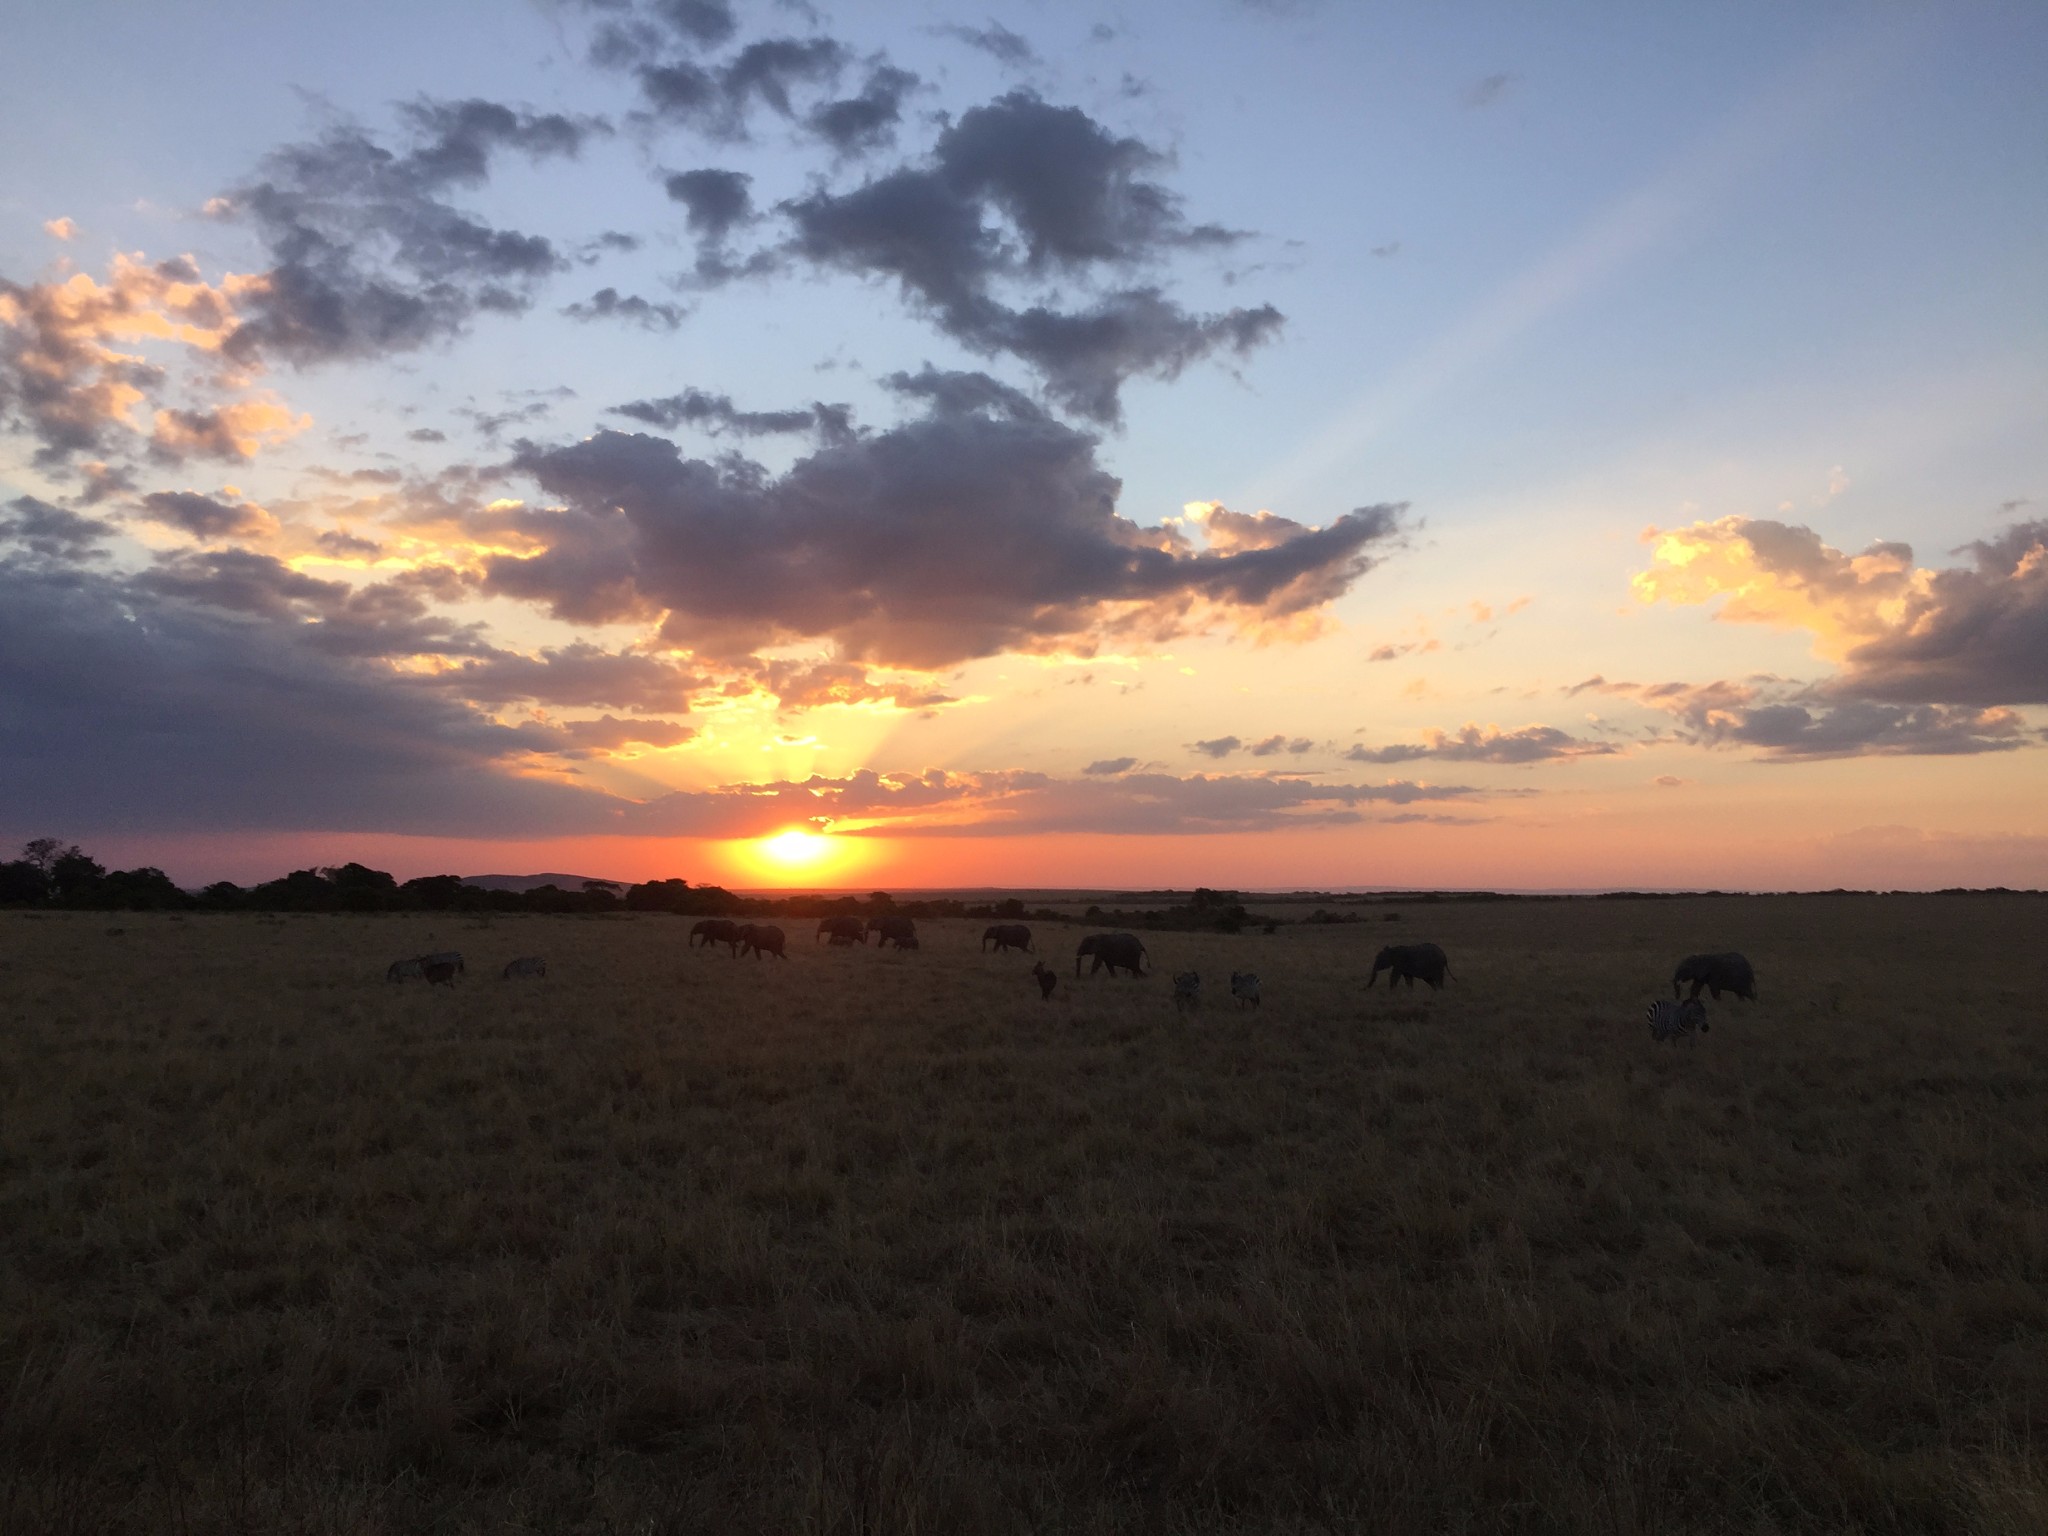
233,431
1780,575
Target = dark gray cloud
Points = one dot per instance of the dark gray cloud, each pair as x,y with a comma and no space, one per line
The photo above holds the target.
1474,744
717,414
1978,635
982,526
861,124
124,707
1111,765
52,533
426,435
369,254
718,99
579,675
1218,746
610,304
1791,723
1021,190
205,517
718,202
995,40
1268,746
347,546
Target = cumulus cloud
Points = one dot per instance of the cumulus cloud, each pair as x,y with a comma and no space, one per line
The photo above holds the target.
632,309
1217,746
236,431
981,526
1111,765
1270,746
718,202
1487,744
369,253
52,533
207,518
69,377
1020,190
863,123
1974,635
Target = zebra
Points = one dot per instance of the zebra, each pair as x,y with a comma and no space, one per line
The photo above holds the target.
524,966
426,966
1669,1020
1187,990
1244,986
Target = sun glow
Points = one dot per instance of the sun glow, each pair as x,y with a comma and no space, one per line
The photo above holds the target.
796,852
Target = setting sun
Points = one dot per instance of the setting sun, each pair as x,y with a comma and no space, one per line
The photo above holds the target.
794,849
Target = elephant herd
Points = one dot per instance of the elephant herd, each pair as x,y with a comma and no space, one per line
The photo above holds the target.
1125,952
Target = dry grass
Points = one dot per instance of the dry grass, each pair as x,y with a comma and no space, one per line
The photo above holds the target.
867,1242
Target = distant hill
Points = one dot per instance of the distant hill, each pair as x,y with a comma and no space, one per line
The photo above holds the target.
534,882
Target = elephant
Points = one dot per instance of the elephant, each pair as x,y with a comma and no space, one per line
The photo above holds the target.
843,930
1406,962
1006,936
893,930
1118,951
1718,974
762,938
716,930
1048,979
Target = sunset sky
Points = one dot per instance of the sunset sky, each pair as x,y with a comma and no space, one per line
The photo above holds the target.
1281,444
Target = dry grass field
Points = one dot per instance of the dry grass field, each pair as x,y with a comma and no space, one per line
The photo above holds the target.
874,1242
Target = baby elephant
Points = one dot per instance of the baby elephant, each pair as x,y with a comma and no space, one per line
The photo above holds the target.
1718,974
1047,979
1409,963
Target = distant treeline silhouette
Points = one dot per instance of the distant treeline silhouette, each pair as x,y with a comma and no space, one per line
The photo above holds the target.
50,873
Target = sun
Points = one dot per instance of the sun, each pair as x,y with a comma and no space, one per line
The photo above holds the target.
794,852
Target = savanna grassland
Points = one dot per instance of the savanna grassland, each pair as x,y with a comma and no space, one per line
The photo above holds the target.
873,1242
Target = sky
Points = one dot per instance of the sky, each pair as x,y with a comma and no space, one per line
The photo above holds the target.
1262,445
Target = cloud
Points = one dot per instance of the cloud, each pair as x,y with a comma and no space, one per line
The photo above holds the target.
996,40
369,254
1490,744
347,546
608,304
716,100
1484,93
1669,781
1790,723
52,533
717,202
59,229
982,526
68,375
236,431
1019,190
206,518
1272,745
123,705
1964,635
813,684
579,675
426,435
1111,765
717,414
858,125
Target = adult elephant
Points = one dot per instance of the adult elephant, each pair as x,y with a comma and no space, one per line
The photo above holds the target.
760,939
843,930
1006,936
1716,973
1118,951
716,930
900,931
1410,963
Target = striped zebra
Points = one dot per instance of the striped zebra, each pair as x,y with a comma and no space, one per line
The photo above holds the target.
1244,986
1669,1020
1187,990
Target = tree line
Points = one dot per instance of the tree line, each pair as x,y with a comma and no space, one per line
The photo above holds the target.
50,873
